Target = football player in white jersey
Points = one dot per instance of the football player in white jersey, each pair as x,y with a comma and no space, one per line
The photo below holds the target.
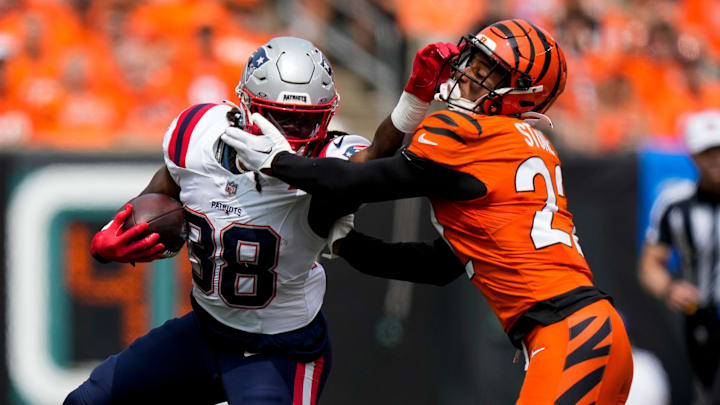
256,334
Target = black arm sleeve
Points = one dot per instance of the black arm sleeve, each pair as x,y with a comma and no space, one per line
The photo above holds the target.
427,263
323,213
403,175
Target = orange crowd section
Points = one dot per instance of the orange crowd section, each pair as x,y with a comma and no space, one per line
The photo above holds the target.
117,72
84,74
635,67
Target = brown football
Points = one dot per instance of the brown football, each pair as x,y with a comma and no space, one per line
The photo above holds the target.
164,215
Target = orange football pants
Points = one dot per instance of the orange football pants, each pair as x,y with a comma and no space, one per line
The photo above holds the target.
583,359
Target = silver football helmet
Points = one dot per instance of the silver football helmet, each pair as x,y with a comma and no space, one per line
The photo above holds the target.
291,83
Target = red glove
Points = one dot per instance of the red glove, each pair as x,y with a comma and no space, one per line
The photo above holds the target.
428,68
113,245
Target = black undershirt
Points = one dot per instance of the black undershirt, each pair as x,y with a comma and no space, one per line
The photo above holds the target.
418,262
324,212
403,175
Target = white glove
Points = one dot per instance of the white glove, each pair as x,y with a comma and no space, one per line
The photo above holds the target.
256,152
339,230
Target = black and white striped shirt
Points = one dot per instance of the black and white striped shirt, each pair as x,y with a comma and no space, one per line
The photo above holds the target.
688,219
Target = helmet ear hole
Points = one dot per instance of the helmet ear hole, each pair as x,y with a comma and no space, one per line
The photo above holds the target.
523,82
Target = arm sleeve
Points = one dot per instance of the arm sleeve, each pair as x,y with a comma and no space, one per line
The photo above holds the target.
403,175
417,262
323,213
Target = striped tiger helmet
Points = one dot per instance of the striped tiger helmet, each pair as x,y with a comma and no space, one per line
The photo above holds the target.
533,69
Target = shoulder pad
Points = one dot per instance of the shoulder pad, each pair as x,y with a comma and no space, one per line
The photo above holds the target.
178,135
452,125
344,146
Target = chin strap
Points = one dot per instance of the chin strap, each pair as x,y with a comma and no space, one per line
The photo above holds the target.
533,118
449,93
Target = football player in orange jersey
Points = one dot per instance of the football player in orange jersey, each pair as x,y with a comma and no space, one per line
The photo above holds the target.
495,184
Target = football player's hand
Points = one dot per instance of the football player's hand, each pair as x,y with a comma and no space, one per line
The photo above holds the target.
112,244
429,68
339,231
256,152
683,297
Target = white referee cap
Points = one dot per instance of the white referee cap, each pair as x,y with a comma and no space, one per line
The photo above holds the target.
702,131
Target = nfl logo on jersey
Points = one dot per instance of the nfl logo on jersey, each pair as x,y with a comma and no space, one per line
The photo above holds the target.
231,187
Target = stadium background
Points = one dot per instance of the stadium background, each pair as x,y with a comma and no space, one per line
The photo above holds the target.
87,89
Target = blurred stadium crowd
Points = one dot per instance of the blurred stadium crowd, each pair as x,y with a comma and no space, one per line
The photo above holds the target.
112,74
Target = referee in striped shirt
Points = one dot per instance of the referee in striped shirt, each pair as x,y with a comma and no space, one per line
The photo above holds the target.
687,219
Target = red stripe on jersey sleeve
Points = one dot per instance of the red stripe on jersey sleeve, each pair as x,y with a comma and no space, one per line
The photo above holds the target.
185,125
189,131
173,138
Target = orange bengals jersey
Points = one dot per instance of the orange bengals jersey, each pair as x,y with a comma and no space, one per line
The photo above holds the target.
518,241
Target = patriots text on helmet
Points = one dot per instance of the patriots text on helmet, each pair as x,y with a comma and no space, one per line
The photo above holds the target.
290,82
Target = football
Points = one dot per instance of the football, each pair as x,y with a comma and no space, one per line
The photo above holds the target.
164,215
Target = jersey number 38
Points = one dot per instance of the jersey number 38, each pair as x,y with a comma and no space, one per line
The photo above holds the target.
247,277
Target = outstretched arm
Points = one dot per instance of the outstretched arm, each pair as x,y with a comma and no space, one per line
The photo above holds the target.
403,175
386,141
417,262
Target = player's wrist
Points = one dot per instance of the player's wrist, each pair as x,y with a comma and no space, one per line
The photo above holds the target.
340,246
269,168
669,295
339,231
664,293
409,111
336,246
99,243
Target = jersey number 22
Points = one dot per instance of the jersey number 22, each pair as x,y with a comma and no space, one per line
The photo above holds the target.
542,232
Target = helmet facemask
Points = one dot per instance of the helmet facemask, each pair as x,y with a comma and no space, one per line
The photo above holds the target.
299,124
510,80
473,52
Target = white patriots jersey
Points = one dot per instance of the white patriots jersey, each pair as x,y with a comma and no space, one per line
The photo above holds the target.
253,254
